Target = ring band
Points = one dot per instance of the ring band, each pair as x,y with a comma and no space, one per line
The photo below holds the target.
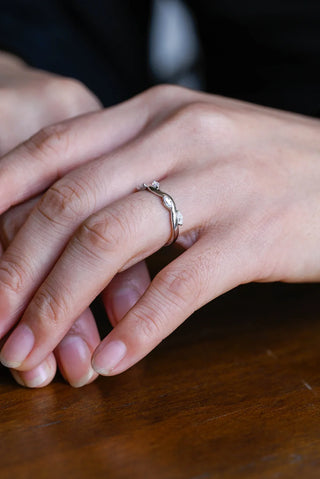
176,217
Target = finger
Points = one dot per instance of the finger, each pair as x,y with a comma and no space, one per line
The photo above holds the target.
200,274
59,99
43,237
39,376
74,352
59,148
12,220
73,355
125,290
108,242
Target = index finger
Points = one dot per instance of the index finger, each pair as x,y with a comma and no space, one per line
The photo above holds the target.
61,147
34,165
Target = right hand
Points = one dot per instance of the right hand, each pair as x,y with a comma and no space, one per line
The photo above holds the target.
247,177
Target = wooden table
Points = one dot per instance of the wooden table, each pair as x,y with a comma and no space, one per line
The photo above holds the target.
233,393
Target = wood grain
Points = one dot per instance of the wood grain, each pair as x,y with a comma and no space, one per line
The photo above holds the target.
233,393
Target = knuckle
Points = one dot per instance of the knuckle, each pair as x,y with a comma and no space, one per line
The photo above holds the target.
176,294
149,321
46,307
177,287
50,141
163,91
64,201
66,84
13,274
72,86
194,114
203,120
101,233
159,101
74,97
184,287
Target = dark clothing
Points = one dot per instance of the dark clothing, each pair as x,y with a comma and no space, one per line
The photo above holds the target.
265,51
103,43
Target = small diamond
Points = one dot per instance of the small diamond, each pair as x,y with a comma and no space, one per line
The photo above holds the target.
167,201
179,218
156,185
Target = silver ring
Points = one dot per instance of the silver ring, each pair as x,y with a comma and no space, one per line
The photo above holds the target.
168,202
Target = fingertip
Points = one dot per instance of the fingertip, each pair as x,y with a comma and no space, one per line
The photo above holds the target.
16,376
125,290
74,358
107,357
17,347
74,352
38,377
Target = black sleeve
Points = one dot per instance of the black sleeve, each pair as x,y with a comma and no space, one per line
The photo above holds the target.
101,43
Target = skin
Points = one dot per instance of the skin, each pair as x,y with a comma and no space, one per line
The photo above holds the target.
246,179
31,99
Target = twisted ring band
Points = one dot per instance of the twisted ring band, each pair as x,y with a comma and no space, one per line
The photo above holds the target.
176,217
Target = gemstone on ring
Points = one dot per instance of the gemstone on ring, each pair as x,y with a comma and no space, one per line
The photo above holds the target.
167,201
179,218
176,217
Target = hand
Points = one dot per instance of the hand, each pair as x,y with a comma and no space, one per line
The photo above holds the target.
73,355
29,100
246,179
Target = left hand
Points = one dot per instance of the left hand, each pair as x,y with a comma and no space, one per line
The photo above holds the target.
31,99
73,353
246,179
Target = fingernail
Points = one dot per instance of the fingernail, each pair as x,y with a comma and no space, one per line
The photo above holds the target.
17,347
17,377
122,301
33,378
108,357
75,358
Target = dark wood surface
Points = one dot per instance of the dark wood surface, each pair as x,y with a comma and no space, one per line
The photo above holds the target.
233,393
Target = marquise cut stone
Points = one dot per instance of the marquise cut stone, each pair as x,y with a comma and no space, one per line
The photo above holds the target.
167,201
